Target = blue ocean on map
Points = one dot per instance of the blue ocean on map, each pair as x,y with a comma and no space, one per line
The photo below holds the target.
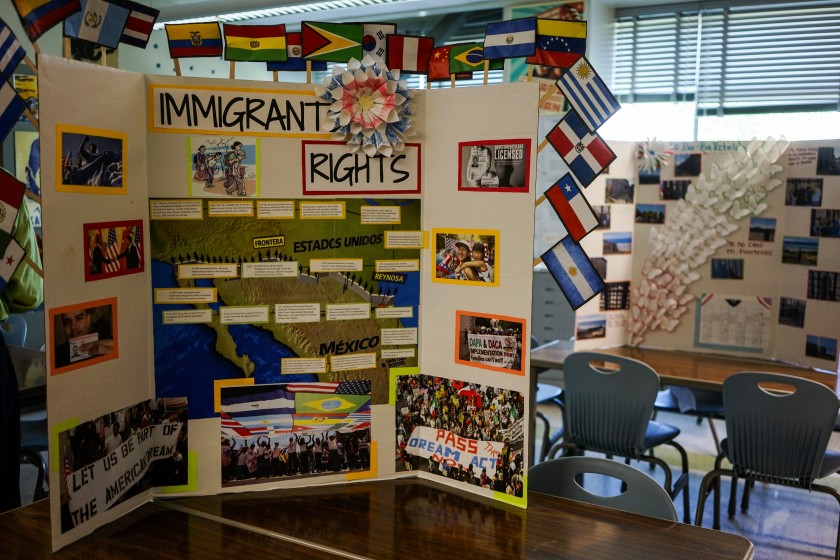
186,362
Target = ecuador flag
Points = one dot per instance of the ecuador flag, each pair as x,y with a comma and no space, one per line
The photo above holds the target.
255,43
194,39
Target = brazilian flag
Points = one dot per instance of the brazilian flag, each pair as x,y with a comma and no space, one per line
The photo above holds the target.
468,57
326,403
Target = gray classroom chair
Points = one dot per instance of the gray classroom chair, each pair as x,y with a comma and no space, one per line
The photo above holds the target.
643,495
608,410
778,435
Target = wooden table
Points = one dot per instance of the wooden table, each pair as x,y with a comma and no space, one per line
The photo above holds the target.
688,369
408,518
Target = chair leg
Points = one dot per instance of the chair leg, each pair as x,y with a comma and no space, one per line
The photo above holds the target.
36,460
681,484
718,463
708,484
745,497
545,440
668,476
733,495
833,492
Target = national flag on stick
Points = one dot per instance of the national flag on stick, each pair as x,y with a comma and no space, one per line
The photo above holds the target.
99,21
332,42
12,258
409,54
141,21
375,39
439,65
294,57
38,16
572,207
194,40
573,272
11,51
255,43
559,43
468,57
11,197
588,94
11,108
510,39
586,153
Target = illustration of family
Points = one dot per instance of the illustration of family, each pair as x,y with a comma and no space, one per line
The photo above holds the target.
207,167
469,260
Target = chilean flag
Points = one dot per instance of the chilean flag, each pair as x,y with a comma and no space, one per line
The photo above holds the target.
586,153
572,207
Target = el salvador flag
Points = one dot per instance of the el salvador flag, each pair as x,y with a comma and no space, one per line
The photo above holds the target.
510,39
573,272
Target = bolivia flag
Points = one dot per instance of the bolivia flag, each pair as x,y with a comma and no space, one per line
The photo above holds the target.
257,43
188,40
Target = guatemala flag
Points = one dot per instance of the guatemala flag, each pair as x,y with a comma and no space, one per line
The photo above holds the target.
573,272
99,22
586,154
11,108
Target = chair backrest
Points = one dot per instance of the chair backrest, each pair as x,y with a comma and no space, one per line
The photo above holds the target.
608,410
644,495
777,435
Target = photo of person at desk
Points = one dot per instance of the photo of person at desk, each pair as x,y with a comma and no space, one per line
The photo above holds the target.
82,334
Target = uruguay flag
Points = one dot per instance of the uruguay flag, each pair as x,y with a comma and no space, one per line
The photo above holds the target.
573,272
586,154
510,39
588,94
99,22
11,108
572,207
11,52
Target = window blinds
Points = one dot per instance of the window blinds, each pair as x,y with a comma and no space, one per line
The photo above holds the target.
731,58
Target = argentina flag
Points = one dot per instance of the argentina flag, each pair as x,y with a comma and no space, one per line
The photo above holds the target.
573,272
587,94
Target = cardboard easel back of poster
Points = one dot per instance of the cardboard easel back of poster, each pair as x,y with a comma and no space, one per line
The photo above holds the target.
456,121
107,105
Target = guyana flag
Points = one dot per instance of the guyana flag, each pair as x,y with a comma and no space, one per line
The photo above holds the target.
308,403
332,42
255,43
468,57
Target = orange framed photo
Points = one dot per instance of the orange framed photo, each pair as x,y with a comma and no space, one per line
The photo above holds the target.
495,342
83,334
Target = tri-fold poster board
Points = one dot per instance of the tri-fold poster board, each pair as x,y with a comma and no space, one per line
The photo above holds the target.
237,301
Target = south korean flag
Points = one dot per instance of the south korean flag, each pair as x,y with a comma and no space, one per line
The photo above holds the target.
374,42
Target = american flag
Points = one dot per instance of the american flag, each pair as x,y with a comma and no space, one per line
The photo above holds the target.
111,252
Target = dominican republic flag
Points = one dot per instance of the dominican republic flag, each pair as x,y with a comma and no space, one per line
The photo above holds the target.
294,57
586,153
573,272
510,39
588,94
375,39
11,108
409,54
11,51
99,22
38,16
141,21
572,207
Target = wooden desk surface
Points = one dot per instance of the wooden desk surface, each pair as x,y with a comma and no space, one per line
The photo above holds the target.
689,369
151,531
417,520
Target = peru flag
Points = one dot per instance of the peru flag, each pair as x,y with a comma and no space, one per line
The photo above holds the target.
409,54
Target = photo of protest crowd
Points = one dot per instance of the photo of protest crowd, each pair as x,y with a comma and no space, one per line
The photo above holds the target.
119,455
284,430
462,431
296,454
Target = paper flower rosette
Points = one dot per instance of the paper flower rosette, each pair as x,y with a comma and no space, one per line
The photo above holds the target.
370,105
653,155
